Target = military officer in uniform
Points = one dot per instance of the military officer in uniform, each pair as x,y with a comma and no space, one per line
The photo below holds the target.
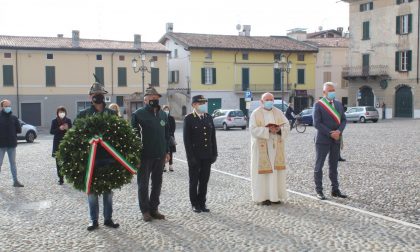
201,148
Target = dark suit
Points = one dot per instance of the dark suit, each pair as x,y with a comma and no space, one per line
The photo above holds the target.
201,148
324,123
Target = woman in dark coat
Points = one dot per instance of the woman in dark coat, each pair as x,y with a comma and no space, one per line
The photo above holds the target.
59,127
172,127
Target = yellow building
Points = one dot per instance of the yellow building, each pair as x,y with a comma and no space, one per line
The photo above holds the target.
223,67
38,74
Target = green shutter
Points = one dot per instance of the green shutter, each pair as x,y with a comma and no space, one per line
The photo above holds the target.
99,72
214,75
301,76
203,75
50,76
398,1
398,20
8,75
361,7
277,79
371,5
245,78
410,22
366,30
122,77
397,61
409,60
155,77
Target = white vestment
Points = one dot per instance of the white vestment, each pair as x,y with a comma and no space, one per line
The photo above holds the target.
269,186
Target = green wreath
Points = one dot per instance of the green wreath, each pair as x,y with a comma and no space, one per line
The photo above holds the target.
73,152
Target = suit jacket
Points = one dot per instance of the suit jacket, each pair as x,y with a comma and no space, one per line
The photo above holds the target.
324,123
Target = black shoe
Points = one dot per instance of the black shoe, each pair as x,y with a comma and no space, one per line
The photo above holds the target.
321,196
276,202
60,182
156,215
266,203
93,225
341,159
17,184
338,194
196,209
204,209
111,224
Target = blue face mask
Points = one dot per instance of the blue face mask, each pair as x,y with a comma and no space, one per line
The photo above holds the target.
8,109
203,108
331,95
268,104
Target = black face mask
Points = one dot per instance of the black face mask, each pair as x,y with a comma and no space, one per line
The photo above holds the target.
98,99
154,103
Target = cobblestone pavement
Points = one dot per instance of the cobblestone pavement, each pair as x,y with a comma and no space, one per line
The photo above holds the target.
381,175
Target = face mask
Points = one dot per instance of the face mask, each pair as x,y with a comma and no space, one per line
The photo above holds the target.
202,108
166,111
154,103
61,115
8,109
331,95
268,104
98,99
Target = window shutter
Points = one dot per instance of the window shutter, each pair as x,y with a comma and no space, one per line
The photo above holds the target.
409,60
397,61
361,7
99,72
410,21
203,75
155,77
371,5
214,75
301,76
50,76
398,20
398,1
122,76
8,75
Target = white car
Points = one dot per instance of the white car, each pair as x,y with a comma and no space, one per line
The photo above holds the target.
29,132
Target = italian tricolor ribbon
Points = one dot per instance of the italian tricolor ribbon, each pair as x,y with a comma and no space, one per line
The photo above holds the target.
91,160
330,109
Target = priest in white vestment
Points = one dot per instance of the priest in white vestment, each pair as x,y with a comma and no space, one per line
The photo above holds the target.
269,128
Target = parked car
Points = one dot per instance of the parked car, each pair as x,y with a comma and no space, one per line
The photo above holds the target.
277,103
229,118
29,132
362,114
305,116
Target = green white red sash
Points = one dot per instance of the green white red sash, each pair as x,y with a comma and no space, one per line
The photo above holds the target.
330,109
91,160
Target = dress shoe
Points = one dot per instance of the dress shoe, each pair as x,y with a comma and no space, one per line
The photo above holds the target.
266,203
204,209
338,194
147,217
93,225
17,184
60,182
276,202
321,196
196,209
158,216
111,224
341,159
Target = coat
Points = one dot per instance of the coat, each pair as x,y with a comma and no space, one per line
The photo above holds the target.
172,127
57,132
9,128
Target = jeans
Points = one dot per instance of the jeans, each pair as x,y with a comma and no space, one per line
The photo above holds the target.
11,153
150,169
94,206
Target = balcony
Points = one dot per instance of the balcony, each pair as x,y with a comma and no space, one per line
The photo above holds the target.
366,72
261,88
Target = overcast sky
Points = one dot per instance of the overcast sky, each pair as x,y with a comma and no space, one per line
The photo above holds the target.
119,20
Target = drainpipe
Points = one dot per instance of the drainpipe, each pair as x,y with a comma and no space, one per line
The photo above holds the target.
17,84
112,75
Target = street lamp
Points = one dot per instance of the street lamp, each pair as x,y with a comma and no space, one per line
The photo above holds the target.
142,68
284,66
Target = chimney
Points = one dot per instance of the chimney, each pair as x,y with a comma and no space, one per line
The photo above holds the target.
137,41
169,27
60,35
75,38
340,30
247,30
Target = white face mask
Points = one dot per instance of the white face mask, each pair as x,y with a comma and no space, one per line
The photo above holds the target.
61,115
166,111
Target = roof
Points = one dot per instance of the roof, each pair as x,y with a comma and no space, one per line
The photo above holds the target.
318,34
328,42
235,42
61,43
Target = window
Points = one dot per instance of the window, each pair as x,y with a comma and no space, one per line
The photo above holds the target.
120,100
122,77
365,34
245,78
7,55
121,57
208,75
245,56
277,56
327,77
83,105
50,56
99,57
344,82
99,72
403,61
277,79
154,58
327,58
175,53
155,77
366,7
174,77
50,76
208,54
404,24
301,57
8,75
404,1
301,76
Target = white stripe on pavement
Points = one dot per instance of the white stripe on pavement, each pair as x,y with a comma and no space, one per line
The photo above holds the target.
404,223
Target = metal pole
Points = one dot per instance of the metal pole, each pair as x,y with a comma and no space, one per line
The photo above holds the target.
282,87
142,82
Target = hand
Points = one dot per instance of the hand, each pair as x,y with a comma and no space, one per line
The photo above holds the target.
274,129
138,166
61,127
213,159
335,134
66,126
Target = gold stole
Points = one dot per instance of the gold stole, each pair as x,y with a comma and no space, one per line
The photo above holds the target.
264,164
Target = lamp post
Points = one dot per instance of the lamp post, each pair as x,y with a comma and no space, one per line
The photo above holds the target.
284,66
143,68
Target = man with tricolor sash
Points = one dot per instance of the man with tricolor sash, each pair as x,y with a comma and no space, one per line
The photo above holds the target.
329,121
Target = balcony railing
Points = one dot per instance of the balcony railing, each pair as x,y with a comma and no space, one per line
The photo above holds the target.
365,72
259,88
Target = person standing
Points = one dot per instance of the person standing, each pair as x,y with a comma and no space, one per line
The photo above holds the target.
103,158
116,108
290,115
269,128
59,127
151,123
329,121
172,142
201,149
9,128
